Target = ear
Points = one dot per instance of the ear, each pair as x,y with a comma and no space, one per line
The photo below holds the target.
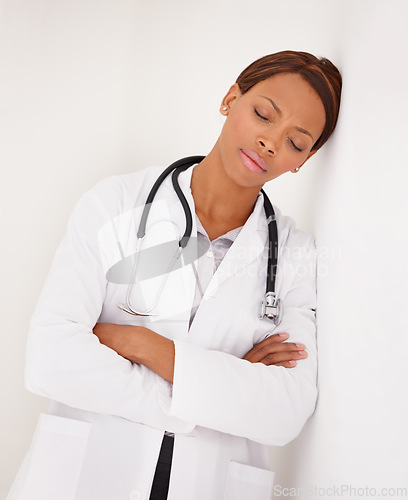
230,98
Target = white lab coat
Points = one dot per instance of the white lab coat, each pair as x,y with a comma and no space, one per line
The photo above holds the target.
101,435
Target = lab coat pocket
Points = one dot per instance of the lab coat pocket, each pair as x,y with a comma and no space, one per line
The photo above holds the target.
245,481
56,456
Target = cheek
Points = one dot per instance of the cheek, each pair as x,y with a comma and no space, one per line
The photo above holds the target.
299,162
239,127
290,161
242,127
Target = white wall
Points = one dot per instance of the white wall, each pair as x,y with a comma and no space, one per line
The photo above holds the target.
358,437
92,88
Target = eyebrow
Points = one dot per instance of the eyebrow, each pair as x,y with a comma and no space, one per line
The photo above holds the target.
277,109
275,106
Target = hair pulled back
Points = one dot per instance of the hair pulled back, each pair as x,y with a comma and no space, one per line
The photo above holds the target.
321,74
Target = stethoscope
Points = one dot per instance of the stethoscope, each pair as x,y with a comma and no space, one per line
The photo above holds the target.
271,307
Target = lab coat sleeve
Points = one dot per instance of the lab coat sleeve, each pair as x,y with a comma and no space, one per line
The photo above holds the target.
64,360
267,404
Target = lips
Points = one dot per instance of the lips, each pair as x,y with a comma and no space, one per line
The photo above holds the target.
254,159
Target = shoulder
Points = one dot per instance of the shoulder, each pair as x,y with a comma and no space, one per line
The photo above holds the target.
288,234
297,260
117,193
290,237
119,185
111,197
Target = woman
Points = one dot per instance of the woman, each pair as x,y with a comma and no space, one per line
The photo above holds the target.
183,403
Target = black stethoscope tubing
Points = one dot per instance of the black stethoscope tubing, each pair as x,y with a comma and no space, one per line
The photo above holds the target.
271,308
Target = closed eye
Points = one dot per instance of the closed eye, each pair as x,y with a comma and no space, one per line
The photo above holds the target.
260,116
299,150
294,146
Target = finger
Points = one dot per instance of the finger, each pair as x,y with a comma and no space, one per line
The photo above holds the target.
277,357
272,359
287,364
275,340
258,352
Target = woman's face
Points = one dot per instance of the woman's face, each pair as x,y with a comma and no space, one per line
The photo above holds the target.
270,129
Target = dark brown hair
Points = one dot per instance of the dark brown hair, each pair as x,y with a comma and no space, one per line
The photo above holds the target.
321,74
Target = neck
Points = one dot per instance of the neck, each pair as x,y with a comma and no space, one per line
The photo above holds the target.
219,201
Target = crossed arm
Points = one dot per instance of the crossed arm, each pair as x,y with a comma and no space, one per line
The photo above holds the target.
156,352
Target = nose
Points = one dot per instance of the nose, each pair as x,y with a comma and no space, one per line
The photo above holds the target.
268,146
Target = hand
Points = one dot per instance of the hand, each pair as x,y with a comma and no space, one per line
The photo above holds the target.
115,337
275,351
139,345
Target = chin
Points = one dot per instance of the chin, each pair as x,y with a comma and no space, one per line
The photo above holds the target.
239,175
247,182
